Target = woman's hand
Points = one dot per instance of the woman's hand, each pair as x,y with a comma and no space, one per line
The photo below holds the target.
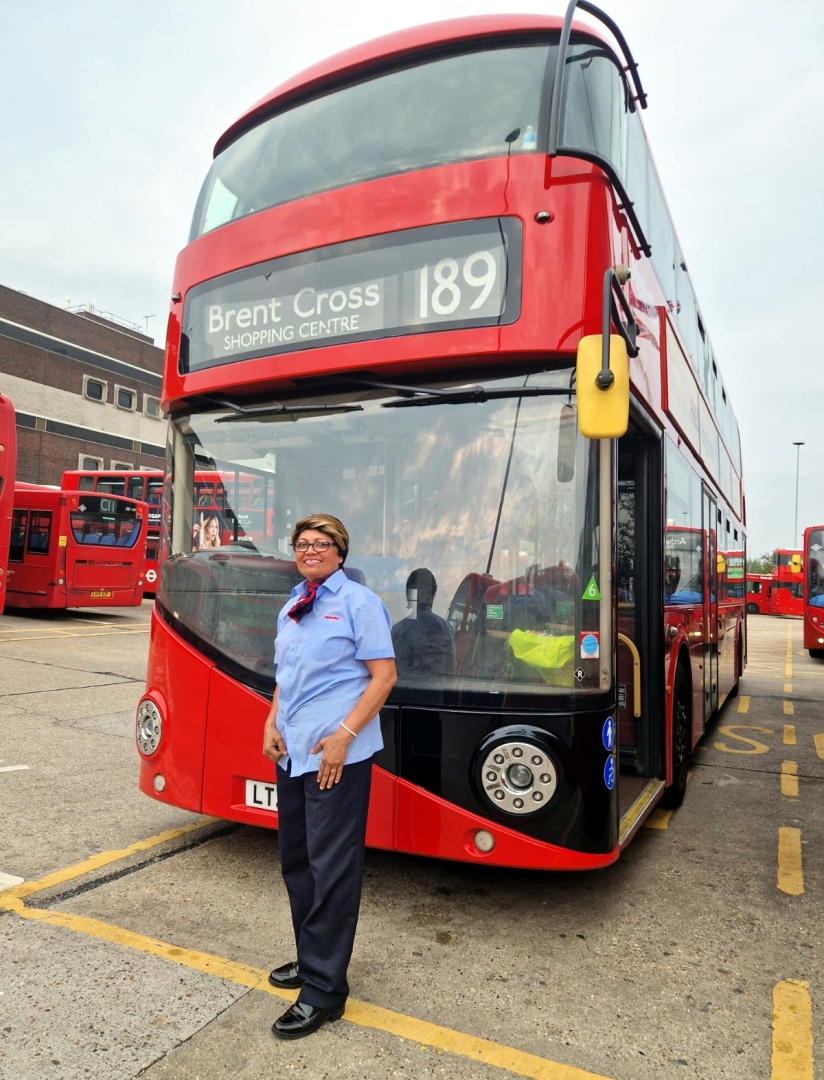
274,746
334,749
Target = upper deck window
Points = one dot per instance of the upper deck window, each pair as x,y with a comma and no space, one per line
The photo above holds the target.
456,108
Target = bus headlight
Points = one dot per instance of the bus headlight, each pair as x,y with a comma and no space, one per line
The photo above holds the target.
148,727
516,773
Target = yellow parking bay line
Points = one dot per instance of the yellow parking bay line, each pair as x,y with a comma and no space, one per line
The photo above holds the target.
60,635
744,704
790,873
95,862
789,779
471,1047
792,1042
372,1016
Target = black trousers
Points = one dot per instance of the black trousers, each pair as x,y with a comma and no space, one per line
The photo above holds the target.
322,842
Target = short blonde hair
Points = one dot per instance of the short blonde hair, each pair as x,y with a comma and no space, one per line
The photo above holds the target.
325,523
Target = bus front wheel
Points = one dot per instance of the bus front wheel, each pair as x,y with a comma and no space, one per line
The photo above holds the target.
816,654
681,710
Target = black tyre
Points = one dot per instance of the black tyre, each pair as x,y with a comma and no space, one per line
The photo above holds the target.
681,712
817,654
752,609
739,667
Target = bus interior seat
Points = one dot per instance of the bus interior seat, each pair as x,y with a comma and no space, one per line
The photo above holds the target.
354,574
91,538
108,539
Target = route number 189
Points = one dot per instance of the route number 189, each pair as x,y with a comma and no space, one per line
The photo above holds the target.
441,285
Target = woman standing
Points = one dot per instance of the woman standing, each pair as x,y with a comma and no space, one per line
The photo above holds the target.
335,668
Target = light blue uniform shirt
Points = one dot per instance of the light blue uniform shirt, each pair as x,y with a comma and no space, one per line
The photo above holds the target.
321,669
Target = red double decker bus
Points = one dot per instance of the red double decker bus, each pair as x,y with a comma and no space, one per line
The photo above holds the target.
759,587
468,332
8,465
75,549
813,598
787,587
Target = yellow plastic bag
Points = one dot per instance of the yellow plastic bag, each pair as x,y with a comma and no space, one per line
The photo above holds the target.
554,657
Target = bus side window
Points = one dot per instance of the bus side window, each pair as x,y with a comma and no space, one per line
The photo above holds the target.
18,535
39,533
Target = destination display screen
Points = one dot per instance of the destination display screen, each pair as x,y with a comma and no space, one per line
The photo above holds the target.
464,274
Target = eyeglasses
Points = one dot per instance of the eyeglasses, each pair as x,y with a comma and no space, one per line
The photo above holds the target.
318,545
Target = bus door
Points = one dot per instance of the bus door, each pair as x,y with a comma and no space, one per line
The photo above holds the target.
639,588
710,517
32,562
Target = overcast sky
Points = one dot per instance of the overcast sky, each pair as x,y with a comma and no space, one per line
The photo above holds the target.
110,110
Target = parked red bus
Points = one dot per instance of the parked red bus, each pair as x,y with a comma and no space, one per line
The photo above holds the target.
787,589
144,485
468,332
759,587
814,591
8,465
75,549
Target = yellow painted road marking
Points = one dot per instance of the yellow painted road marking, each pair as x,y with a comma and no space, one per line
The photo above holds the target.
60,877
358,1012
788,688
789,734
658,819
744,704
788,665
455,1042
792,1041
819,745
790,873
62,634
731,729
789,779
788,708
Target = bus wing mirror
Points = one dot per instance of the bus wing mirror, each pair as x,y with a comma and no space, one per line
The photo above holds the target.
603,412
795,564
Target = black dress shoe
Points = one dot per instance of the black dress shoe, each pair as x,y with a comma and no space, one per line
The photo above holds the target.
302,1019
286,977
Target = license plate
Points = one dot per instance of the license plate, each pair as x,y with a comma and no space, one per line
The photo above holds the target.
261,796
100,594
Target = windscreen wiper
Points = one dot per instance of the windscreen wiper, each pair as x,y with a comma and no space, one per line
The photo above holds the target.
461,395
263,412
456,395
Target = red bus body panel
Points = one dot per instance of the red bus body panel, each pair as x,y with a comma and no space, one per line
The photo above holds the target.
813,581
8,467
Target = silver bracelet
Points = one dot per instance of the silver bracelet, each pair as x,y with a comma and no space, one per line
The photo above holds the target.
354,734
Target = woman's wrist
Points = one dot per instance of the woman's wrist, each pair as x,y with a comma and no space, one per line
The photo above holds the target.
345,727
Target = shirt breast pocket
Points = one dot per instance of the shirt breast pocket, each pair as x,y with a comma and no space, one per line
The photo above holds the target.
332,646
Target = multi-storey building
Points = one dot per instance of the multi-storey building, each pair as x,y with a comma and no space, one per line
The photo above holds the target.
86,390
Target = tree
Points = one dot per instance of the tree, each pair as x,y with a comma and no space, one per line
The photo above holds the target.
762,565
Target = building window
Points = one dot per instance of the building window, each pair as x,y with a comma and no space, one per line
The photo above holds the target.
151,407
122,466
94,389
125,399
86,463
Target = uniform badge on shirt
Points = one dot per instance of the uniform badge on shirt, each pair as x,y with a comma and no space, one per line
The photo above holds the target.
334,618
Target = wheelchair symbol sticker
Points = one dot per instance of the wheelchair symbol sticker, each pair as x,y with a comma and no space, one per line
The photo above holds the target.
609,772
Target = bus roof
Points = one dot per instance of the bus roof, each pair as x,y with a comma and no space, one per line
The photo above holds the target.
344,65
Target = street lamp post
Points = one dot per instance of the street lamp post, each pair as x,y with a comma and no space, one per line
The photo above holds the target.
797,446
